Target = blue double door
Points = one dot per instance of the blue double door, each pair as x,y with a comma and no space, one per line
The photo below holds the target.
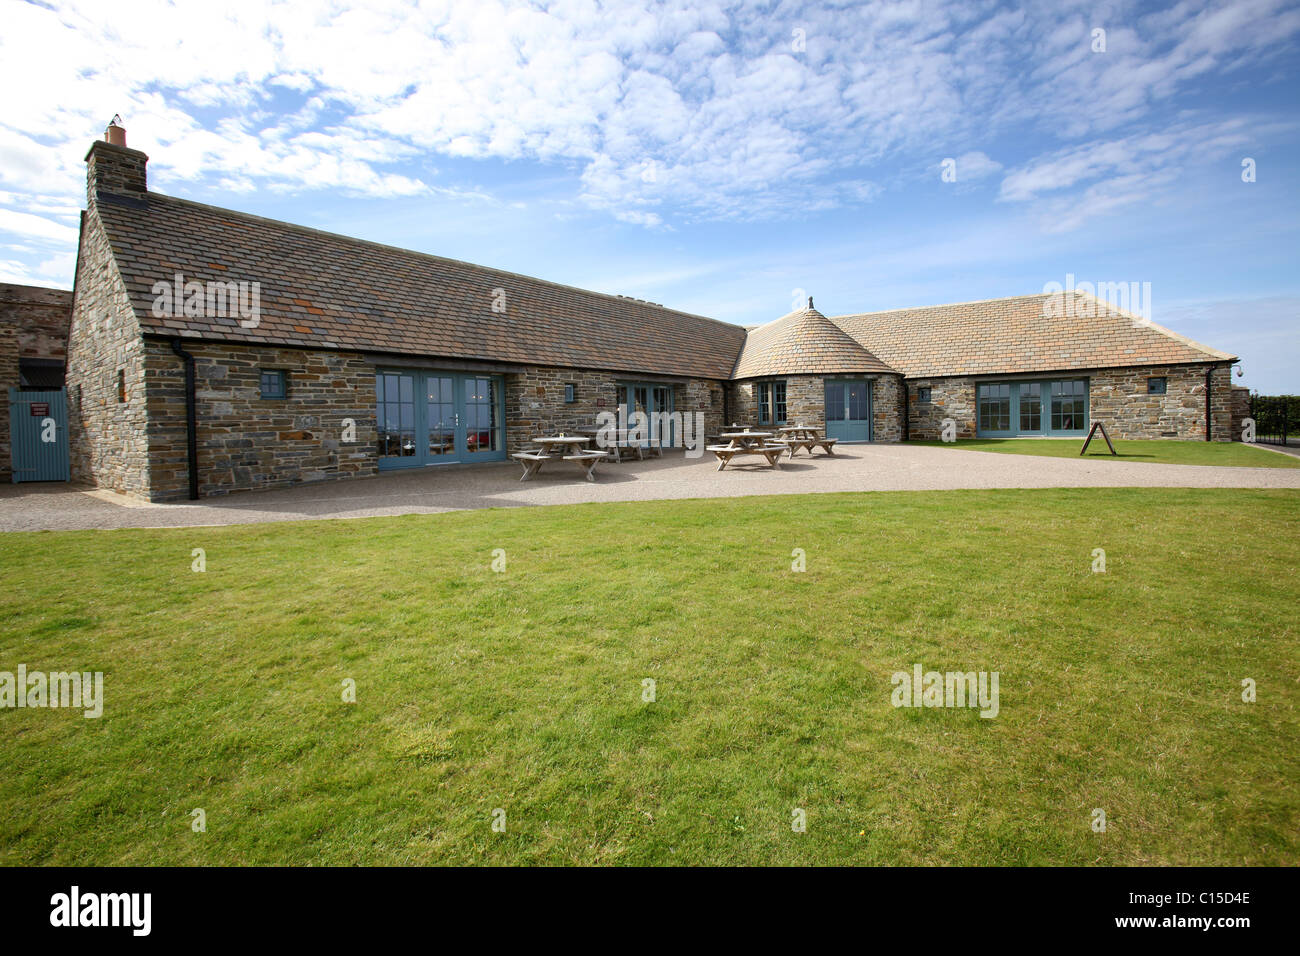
434,417
848,409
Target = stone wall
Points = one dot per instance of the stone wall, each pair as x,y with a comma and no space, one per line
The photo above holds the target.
1118,397
949,398
535,401
108,439
805,400
887,408
247,442
33,324
1240,403
41,317
8,379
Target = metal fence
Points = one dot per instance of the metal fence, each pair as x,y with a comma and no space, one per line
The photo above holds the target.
1277,418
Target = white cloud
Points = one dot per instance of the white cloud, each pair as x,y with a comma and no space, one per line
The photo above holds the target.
735,122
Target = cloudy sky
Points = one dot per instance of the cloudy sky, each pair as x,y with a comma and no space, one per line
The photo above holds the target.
715,157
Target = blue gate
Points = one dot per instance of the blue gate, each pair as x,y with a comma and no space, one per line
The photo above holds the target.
38,435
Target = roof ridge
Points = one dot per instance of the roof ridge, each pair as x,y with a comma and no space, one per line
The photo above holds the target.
943,305
309,230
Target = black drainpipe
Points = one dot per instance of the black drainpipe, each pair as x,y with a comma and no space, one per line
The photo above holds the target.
907,418
191,420
1208,373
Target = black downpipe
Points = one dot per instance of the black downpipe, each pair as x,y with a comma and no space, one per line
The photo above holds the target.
191,419
907,418
1209,372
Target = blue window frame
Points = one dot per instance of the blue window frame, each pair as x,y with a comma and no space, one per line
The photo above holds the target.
274,383
1012,409
770,397
1157,386
923,395
428,418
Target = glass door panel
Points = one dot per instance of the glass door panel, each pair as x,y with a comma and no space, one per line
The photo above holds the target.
662,398
395,418
441,418
1031,407
836,406
483,433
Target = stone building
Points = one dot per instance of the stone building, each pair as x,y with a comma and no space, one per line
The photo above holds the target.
213,351
33,345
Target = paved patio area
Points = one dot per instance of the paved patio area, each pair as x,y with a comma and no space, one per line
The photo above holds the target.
37,507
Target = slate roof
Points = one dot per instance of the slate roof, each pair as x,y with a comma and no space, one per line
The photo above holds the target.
804,342
1016,335
323,290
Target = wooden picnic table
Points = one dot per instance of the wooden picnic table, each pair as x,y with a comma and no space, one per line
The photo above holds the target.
807,437
748,443
622,449
747,438
555,446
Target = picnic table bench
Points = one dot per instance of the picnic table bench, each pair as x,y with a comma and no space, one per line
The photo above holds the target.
808,438
621,448
760,444
548,449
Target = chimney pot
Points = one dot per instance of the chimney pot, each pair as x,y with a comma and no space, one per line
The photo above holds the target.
115,132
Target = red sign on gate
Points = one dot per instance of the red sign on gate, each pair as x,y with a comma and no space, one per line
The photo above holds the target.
40,409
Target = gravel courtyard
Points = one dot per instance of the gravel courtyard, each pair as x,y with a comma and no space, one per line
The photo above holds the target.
42,507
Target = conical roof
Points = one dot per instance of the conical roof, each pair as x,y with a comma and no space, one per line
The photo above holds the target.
803,343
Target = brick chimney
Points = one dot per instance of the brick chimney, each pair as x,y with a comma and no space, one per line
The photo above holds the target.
111,167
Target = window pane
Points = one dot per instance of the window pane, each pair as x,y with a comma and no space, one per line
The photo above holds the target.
835,401
778,401
858,402
1031,407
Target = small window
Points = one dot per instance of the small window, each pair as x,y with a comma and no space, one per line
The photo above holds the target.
923,395
1157,386
771,402
273,384
121,385
570,393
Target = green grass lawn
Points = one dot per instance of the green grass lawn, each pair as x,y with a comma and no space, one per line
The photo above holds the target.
1163,451
522,690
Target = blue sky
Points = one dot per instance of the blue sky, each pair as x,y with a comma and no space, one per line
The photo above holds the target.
715,157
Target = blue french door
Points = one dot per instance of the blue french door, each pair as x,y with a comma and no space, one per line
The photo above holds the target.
430,418
1023,409
650,400
848,410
